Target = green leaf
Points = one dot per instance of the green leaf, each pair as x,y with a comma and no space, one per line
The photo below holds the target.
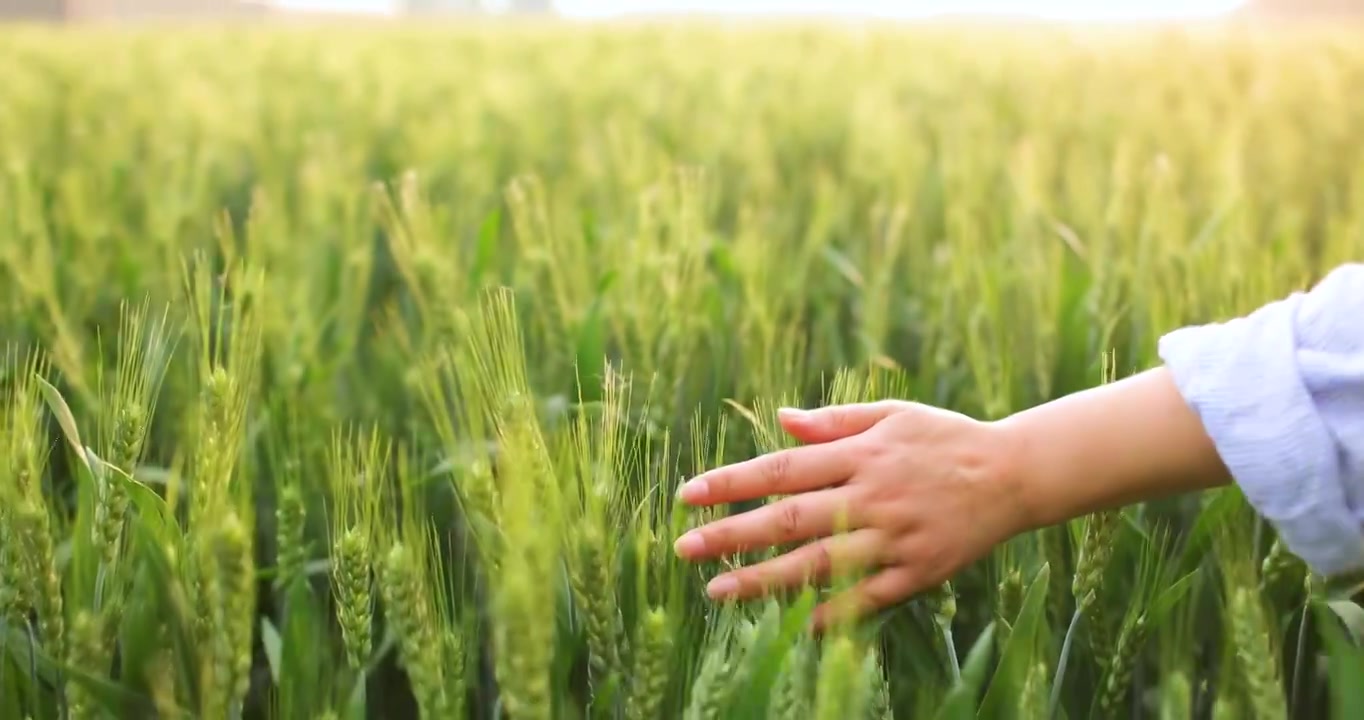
725,266
1345,664
1017,655
270,641
57,404
604,697
1170,597
1215,514
978,659
109,695
843,266
161,592
304,693
1344,587
321,566
386,646
355,706
24,672
11,689
960,703
152,511
913,632
81,569
590,351
139,640
488,234
152,474
1352,615
778,631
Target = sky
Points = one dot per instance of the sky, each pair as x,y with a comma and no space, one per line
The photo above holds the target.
1046,9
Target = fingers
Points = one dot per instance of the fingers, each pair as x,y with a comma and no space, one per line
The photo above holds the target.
792,519
808,564
835,422
784,472
870,595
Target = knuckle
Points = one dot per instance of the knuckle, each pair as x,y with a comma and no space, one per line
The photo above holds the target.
789,518
871,448
902,553
929,560
777,470
848,511
890,407
879,501
838,418
821,560
885,406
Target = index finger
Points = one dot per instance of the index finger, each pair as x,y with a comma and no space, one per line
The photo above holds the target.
784,472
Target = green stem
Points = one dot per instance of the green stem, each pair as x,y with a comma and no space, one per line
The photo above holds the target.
953,663
1061,664
1297,659
101,575
33,658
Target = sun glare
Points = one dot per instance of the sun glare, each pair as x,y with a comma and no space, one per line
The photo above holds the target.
1044,9
909,9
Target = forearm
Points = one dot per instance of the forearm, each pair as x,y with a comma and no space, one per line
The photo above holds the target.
1273,401
1128,441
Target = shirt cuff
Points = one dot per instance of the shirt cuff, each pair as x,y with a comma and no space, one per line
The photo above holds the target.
1241,378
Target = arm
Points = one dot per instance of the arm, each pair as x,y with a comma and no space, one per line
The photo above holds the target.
1129,441
1273,401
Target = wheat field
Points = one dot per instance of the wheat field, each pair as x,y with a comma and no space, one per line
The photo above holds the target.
350,372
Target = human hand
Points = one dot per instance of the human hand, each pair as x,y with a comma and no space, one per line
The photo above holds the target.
913,491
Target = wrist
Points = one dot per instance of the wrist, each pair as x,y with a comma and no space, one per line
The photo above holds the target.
1016,477
1013,478
1116,444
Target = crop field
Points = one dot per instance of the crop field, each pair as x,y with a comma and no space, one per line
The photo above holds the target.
351,372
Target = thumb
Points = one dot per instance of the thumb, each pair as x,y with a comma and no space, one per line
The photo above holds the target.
835,422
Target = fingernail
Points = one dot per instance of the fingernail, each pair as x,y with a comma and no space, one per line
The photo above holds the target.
791,413
690,544
692,491
722,586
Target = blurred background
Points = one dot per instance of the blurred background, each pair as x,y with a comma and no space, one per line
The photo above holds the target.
101,10
556,266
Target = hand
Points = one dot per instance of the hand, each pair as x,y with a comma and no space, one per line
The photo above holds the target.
914,491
